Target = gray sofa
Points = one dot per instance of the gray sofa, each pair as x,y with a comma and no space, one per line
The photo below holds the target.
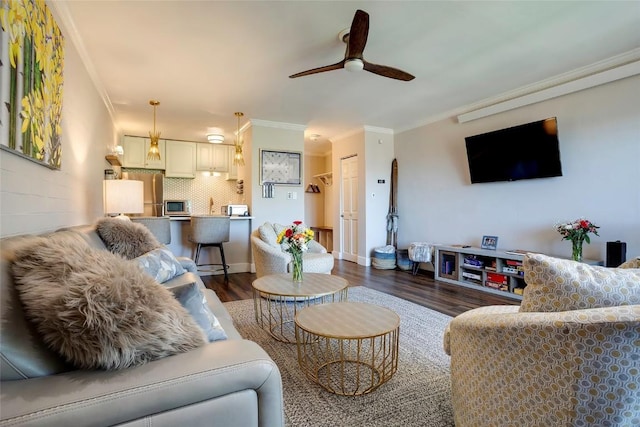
223,383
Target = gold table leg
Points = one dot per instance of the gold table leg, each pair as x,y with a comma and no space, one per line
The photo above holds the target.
348,367
276,313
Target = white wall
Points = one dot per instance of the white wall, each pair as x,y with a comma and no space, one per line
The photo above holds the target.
374,148
278,209
329,196
34,198
379,150
599,133
313,202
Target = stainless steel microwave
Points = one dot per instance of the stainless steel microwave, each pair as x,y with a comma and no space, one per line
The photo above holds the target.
177,207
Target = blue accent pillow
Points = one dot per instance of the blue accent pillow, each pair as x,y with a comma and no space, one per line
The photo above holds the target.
160,264
193,300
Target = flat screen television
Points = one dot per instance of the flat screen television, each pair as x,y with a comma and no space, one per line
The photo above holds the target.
526,151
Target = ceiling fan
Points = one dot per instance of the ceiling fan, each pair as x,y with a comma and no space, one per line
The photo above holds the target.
356,39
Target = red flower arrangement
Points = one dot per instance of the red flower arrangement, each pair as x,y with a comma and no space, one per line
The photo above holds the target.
578,232
294,239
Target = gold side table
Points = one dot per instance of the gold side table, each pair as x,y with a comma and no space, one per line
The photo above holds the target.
348,348
277,299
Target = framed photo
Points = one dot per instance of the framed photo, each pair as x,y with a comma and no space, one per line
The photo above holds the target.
489,242
280,167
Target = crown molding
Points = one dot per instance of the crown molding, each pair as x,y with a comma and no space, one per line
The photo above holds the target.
365,128
277,125
64,16
600,72
386,131
346,134
545,93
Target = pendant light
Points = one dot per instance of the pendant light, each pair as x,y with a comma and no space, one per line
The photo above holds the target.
154,150
238,158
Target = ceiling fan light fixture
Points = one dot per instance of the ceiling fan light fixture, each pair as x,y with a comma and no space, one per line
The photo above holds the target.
354,64
355,37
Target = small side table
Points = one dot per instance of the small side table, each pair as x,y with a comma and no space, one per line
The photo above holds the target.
277,299
324,236
349,348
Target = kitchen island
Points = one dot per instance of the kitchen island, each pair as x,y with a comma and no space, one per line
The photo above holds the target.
237,251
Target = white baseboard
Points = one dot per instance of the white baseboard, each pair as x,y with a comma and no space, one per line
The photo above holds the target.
212,270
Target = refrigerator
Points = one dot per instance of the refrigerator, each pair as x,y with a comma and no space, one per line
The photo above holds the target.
153,191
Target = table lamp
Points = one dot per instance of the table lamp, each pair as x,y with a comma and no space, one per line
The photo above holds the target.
123,196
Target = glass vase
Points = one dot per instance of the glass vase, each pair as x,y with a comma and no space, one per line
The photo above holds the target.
576,249
296,261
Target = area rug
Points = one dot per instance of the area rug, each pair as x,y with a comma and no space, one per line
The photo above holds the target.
419,394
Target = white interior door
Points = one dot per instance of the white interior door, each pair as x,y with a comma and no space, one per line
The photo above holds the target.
349,208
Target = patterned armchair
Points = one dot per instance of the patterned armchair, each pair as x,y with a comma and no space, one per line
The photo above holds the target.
270,259
569,356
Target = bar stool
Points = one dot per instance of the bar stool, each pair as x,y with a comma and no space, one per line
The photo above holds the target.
160,226
206,231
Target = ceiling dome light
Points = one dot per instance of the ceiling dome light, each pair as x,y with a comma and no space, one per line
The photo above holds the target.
215,138
354,65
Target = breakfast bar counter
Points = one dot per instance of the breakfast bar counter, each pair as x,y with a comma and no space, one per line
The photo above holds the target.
237,251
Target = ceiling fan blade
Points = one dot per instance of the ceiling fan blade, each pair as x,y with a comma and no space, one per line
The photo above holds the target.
358,34
356,40
392,73
335,66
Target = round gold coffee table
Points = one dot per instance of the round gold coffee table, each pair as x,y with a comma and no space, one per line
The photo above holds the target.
349,348
277,299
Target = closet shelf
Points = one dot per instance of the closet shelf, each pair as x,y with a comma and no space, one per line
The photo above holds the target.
325,178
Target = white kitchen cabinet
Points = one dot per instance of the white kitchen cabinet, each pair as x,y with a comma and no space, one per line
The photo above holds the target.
135,153
212,157
232,175
181,159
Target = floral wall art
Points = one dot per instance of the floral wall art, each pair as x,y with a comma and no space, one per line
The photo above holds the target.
31,75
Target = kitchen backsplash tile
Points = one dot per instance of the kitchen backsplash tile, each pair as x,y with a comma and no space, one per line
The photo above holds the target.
200,190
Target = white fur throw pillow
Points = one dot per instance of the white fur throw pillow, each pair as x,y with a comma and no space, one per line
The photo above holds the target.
96,309
126,238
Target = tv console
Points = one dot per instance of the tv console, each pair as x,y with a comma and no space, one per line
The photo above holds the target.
493,271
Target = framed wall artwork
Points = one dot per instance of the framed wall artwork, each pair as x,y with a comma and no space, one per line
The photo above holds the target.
30,124
489,242
280,167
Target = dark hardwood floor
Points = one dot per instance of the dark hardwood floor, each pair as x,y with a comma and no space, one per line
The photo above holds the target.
420,289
